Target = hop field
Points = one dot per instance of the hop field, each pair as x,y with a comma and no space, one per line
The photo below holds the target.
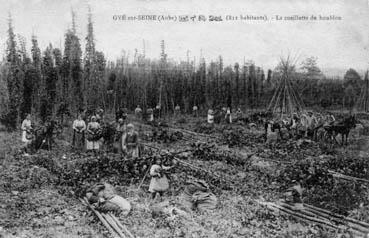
39,192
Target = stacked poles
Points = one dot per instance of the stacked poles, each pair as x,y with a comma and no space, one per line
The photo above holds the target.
311,214
110,222
362,103
285,101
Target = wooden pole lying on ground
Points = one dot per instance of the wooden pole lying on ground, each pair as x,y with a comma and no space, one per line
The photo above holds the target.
347,177
147,172
320,216
101,218
109,221
121,226
113,224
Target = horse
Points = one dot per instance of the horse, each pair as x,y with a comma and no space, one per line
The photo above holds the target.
343,127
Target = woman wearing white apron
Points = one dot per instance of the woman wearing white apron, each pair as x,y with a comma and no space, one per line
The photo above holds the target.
79,127
210,116
93,138
26,130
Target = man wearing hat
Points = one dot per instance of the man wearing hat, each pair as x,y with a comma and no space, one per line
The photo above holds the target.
195,111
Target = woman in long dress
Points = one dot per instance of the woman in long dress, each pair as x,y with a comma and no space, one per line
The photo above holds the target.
150,115
210,116
130,142
159,181
120,130
228,116
26,130
79,127
93,138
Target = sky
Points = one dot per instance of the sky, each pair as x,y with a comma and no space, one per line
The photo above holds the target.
337,44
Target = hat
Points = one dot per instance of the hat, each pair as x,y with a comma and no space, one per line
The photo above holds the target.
93,118
120,120
130,125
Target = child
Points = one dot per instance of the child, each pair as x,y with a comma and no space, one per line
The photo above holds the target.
159,181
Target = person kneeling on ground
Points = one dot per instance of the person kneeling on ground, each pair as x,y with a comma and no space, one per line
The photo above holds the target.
103,196
197,196
294,194
159,181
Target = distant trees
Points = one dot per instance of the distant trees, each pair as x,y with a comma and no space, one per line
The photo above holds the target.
352,83
49,82
15,77
59,83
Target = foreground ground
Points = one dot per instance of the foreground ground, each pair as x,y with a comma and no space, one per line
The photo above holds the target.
34,203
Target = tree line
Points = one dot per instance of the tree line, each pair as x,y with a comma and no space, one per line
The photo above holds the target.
56,82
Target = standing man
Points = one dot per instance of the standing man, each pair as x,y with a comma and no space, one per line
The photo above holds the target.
158,111
120,130
195,111
228,116
238,113
177,110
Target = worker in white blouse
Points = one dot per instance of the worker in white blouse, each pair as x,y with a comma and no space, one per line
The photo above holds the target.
79,128
27,135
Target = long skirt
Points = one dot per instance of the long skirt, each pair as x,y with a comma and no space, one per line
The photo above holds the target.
210,119
159,184
24,138
133,152
93,145
78,140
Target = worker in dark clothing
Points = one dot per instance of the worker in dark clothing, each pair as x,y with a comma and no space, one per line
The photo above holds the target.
294,194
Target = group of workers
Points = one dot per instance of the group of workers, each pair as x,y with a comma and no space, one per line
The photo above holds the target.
222,115
197,195
87,136
90,137
305,125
